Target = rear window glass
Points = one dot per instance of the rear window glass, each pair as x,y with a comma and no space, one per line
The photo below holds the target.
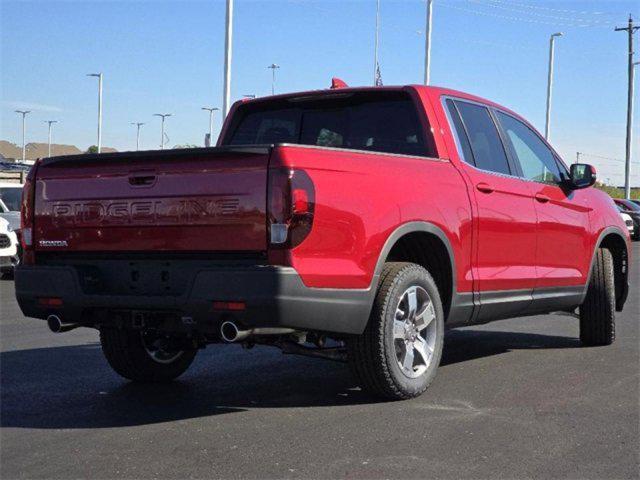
383,122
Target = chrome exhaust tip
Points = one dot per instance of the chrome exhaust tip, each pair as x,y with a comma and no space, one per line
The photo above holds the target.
230,332
57,326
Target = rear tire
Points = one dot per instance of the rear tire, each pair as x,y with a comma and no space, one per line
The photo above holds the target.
597,313
141,357
398,354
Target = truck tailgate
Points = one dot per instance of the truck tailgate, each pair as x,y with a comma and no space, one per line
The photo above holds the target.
210,199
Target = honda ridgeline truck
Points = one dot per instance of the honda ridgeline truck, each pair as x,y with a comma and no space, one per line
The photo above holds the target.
352,224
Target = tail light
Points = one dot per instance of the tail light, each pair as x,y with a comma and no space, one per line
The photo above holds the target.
291,207
27,216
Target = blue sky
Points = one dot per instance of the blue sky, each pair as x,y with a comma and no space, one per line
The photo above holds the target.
167,56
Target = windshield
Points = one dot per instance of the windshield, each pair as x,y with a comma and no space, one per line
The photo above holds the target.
380,121
11,198
629,205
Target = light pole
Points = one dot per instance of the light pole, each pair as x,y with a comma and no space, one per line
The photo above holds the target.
24,127
228,47
50,122
375,44
99,75
138,125
427,44
210,110
273,68
162,116
547,123
630,29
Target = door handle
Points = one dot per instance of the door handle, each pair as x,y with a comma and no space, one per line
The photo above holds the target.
484,187
542,198
142,180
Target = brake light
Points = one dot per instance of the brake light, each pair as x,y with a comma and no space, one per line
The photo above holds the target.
50,302
291,207
235,306
27,216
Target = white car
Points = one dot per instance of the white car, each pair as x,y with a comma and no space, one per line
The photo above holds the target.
10,196
628,221
9,257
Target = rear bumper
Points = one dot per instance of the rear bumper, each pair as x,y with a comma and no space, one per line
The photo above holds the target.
274,297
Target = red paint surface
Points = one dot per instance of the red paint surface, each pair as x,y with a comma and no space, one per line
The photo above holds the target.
502,236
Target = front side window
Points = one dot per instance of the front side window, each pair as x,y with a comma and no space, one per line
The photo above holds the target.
382,122
536,159
486,146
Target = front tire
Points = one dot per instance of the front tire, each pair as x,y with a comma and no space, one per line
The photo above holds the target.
143,356
399,352
597,313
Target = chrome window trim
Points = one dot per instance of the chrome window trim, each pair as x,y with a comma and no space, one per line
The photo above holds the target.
452,128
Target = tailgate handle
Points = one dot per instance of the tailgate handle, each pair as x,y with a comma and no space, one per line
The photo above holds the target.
142,180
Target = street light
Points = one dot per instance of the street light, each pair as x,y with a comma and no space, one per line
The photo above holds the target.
273,68
50,122
375,45
99,76
228,48
210,110
547,123
427,44
138,125
24,126
163,116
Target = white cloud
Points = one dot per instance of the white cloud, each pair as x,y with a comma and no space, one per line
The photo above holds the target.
37,107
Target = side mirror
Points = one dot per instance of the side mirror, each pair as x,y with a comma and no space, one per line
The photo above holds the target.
582,175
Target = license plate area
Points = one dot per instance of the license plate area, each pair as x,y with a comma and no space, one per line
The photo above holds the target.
134,277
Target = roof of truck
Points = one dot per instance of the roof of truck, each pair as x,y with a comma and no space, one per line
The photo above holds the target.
434,90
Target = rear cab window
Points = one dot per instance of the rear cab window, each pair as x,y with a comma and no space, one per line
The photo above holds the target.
385,121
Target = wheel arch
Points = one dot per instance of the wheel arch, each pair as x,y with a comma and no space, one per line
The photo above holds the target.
613,239
427,245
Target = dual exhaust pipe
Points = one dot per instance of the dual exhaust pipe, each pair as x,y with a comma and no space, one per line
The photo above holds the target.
229,330
232,333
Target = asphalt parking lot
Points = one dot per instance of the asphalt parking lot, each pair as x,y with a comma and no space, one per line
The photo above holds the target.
513,399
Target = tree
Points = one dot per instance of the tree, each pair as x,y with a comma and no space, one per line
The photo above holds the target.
92,149
186,145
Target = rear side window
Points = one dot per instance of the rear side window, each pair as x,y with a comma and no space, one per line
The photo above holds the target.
461,136
382,122
536,159
482,135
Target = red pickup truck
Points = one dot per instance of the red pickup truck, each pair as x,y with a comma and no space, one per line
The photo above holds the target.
352,224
